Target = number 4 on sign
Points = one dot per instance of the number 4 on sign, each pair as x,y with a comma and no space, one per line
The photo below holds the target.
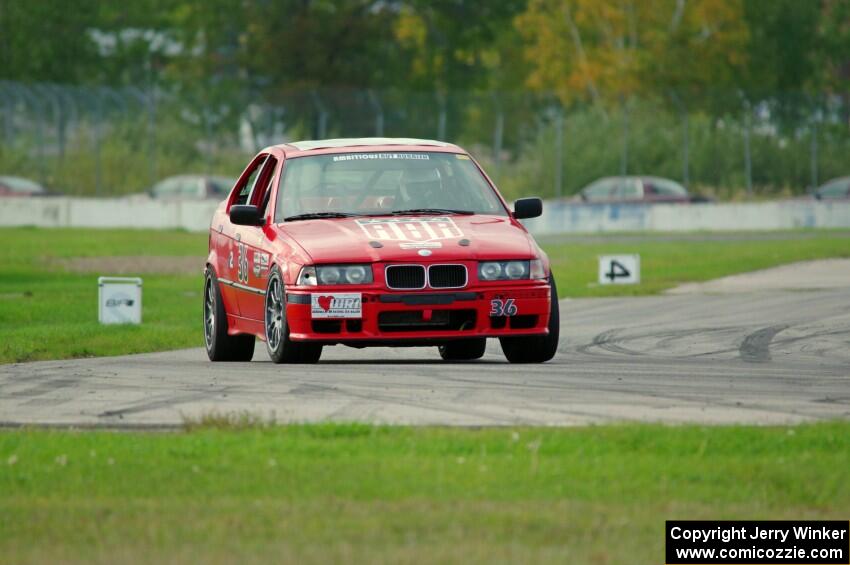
619,269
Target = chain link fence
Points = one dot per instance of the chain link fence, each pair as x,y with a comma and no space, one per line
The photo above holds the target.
105,141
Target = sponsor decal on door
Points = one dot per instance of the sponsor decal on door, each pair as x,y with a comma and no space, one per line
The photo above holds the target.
261,263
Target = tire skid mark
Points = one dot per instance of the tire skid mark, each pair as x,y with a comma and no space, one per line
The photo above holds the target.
794,339
833,400
756,346
612,340
608,341
146,404
671,396
455,408
391,400
45,387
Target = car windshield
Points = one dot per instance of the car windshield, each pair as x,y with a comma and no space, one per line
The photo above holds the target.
835,189
384,183
18,184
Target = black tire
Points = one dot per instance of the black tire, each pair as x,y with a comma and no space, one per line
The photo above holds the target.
219,345
282,349
463,349
536,349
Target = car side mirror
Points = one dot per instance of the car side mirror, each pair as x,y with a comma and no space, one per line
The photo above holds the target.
246,215
527,208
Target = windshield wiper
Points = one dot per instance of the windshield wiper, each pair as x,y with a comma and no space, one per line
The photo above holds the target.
430,211
318,216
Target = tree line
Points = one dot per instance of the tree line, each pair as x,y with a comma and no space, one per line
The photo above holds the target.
578,49
721,94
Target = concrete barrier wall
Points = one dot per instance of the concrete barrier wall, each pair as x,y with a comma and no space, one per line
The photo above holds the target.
562,217
106,213
558,217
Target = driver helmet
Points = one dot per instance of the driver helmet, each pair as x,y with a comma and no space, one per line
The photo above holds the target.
420,183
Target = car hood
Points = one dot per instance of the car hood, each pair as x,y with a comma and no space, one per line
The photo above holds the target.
389,239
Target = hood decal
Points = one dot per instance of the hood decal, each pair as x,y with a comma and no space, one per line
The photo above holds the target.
413,232
398,239
420,245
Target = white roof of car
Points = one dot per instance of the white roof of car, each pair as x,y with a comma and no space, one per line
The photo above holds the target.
361,141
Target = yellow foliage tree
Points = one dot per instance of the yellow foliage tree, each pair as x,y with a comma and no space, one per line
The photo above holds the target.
608,49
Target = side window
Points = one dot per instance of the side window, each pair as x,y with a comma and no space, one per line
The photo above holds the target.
245,188
220,187
629,189
167,188
619,190
664,187
599,190
192,187
260,191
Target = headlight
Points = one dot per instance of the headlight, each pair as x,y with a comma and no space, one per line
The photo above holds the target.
335,274
329,275
516,269
356,274
490,271
503,270
511,270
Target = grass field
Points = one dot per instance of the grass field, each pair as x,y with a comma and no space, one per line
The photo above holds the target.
669,260
50,312
47,312
331,493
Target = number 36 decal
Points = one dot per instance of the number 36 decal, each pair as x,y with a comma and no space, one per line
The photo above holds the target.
503,307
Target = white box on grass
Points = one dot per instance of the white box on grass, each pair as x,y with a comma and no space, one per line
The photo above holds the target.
119,300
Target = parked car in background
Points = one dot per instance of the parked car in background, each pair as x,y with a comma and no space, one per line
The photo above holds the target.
192,187
636,189
19,186
833,190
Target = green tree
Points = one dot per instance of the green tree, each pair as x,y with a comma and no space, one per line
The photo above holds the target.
461,45
782,47
45,40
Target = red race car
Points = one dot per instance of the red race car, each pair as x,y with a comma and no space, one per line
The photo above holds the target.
374,242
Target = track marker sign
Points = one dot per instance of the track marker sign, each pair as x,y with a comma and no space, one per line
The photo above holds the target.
119,300
619,269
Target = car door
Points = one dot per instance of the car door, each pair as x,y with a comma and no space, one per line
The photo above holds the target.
254,253
629,190
228,241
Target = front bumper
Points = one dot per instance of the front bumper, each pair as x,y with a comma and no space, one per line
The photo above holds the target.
426,316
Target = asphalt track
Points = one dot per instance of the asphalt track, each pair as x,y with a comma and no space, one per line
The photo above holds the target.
764,358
